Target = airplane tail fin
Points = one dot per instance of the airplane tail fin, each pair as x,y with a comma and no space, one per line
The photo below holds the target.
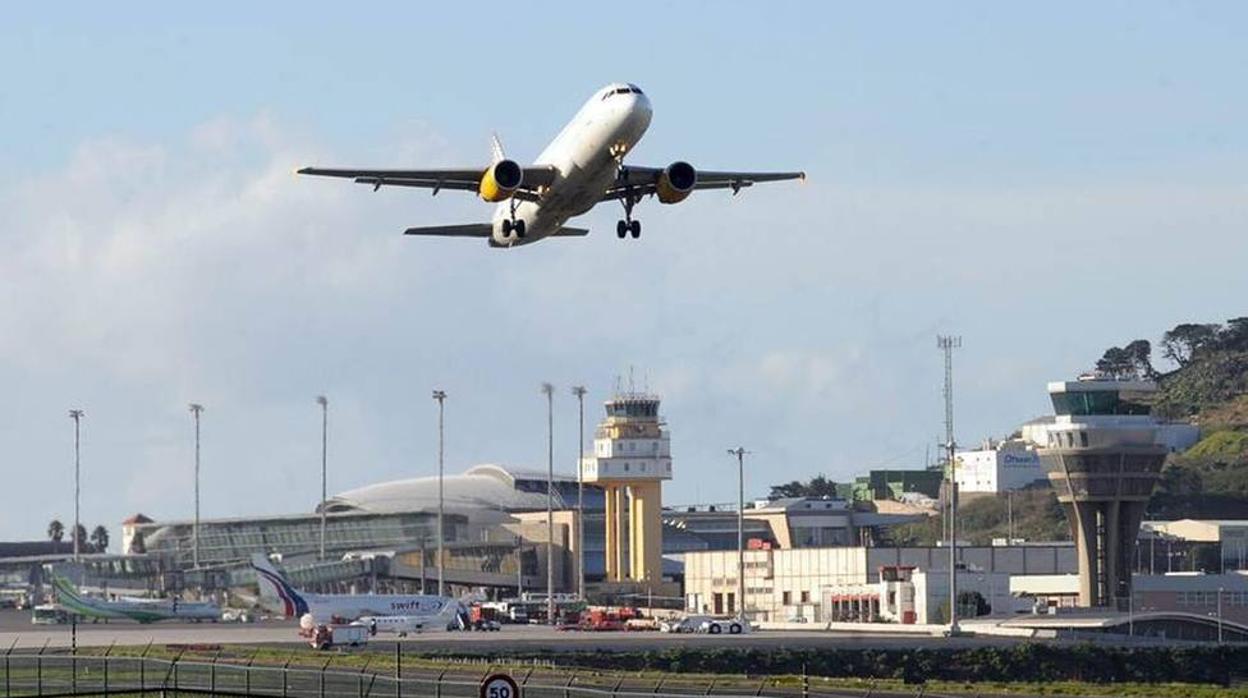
65,589
496,148
275,591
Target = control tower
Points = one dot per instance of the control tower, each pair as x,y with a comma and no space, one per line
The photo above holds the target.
632,457
1103,456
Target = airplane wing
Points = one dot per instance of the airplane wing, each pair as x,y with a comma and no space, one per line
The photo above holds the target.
644,180
534,178
480,230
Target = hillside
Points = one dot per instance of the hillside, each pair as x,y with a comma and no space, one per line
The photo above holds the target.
1208,386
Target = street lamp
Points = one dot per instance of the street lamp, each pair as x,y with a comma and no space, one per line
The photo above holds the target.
740,452
579,391
440,396
1219,615
549,391
77,416
324,403
196,409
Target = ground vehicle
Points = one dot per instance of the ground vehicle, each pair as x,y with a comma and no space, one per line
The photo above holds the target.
716,626
327,636
484,624
688,624
49,614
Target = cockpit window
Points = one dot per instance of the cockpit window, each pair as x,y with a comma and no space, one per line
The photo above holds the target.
621,91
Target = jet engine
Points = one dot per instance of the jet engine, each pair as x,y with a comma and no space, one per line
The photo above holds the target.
676,182
500,181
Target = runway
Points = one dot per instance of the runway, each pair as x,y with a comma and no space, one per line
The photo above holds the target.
15,627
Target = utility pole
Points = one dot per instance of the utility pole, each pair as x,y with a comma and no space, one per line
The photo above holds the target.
1009,513
440,396
947,344
324,403
740,452
549,391
77,416
196,410
579,391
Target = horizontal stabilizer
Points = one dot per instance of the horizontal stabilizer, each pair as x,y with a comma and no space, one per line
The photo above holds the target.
468,230
571,232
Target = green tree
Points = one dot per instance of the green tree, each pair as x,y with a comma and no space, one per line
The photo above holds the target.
1182,343
99,539
1140,353
817,486
56,530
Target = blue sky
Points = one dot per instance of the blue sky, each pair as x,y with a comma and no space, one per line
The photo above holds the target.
1045,181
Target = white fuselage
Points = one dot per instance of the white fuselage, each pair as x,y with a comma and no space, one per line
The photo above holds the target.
325,608
586,156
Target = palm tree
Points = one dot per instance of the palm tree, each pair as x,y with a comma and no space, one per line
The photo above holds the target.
99,539
56,530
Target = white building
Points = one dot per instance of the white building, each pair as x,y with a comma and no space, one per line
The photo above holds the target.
808,583
998,467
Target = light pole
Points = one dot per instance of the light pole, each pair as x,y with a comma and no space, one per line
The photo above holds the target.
549,391
324,403
196,410
579,391
76,415
947,345
440,396
740,452
1219,615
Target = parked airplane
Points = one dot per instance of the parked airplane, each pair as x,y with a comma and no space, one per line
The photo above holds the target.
320,609
141,610
403,625
581,168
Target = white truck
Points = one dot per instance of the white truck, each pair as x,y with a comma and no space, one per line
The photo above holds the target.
327,636
716,626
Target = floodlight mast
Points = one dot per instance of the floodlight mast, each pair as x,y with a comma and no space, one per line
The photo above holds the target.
947,344
579,391
77,416
440,396
324,403
549,391
196,410
740,453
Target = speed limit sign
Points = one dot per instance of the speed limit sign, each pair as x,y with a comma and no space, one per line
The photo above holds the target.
499,686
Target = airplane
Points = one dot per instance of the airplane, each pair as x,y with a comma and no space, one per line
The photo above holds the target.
136,609
321,609
582,167
402,625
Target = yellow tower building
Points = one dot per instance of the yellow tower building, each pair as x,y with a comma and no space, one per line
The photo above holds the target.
632,457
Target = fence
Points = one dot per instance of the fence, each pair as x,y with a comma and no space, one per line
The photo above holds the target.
81,675
55,675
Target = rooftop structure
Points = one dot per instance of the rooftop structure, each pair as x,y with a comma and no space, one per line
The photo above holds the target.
1103,458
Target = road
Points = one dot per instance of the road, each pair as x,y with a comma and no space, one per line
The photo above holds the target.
15,627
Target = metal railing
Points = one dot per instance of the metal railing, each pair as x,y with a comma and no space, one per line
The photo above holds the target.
95,675
54,675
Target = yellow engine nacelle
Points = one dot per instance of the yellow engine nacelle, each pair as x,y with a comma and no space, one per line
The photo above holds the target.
676,182
500,181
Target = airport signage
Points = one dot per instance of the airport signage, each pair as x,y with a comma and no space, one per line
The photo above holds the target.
499,686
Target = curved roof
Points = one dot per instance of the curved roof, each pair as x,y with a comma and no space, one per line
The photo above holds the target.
479,490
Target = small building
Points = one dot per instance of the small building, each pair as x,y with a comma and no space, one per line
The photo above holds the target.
1231,536
894,484
1179,592
781,584
998,466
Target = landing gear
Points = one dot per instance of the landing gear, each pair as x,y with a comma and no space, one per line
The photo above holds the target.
627,225
512,224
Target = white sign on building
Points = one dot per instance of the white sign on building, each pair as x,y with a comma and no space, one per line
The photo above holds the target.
998,467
